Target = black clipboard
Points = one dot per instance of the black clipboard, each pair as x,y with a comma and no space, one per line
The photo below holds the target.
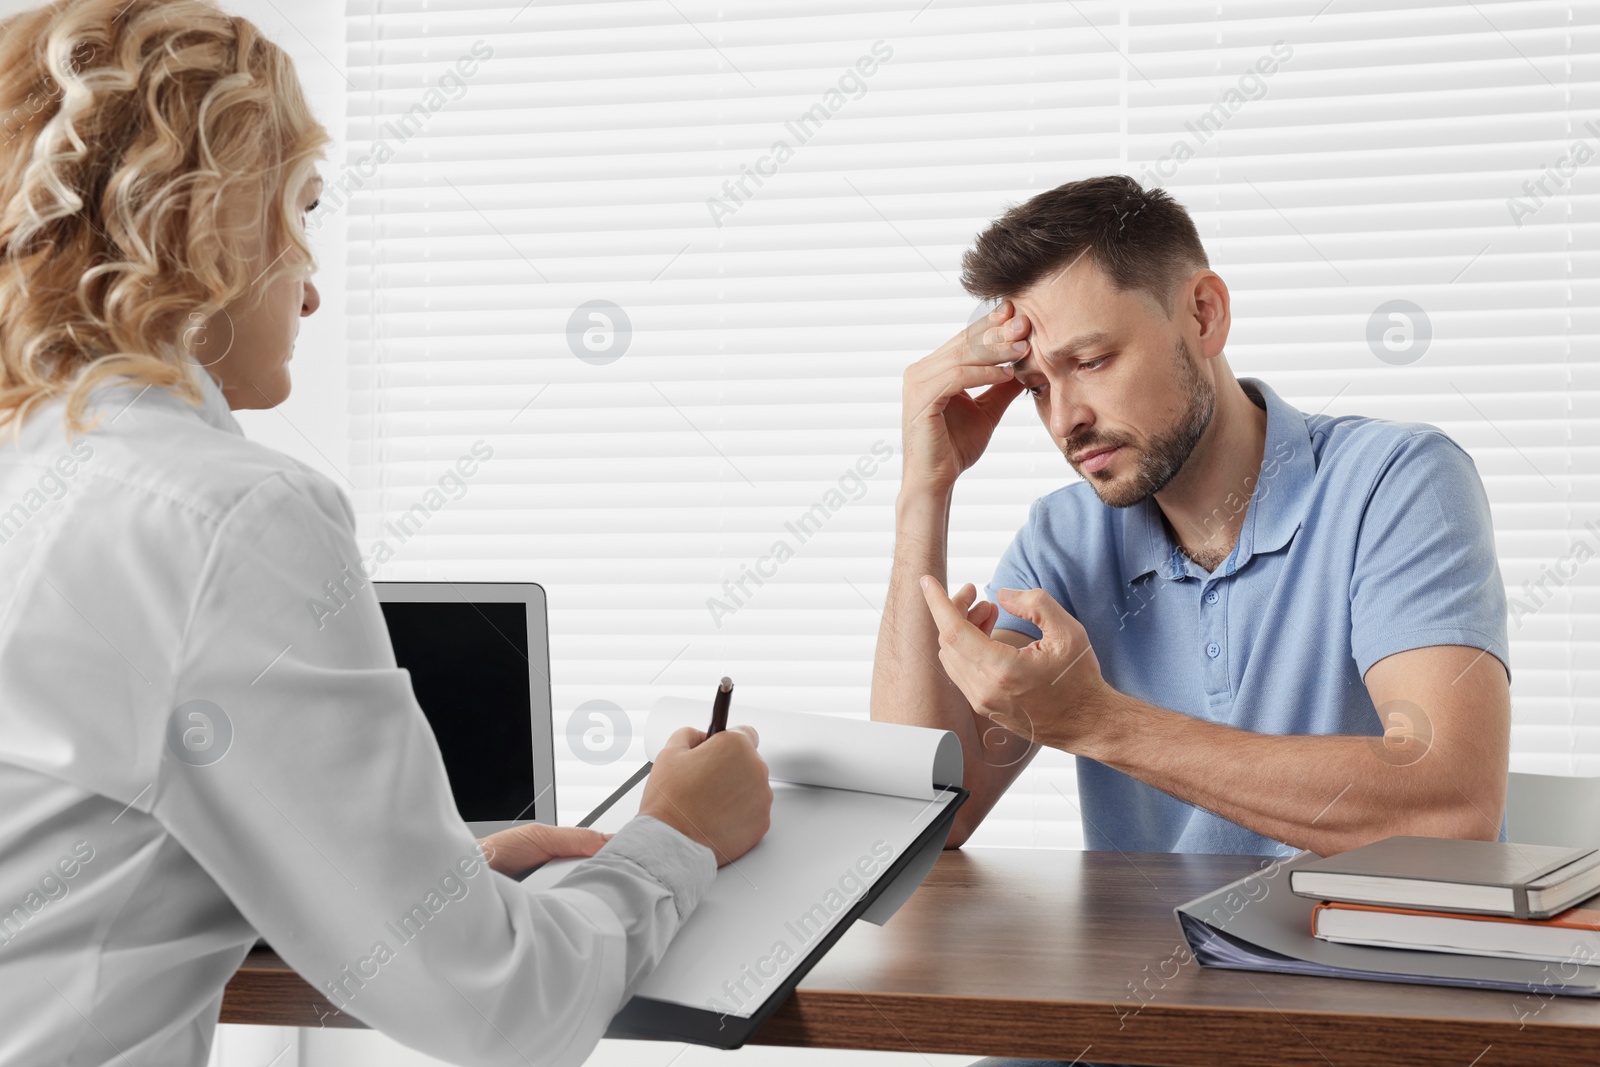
648,1019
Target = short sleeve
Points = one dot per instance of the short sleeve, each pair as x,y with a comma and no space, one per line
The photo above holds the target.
1017,569
1425,570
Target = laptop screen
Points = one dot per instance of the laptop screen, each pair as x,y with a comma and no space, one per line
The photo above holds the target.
469,670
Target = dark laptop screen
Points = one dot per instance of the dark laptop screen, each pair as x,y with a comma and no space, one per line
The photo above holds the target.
469,670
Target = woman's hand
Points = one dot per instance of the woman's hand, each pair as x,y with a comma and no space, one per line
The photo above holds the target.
522,847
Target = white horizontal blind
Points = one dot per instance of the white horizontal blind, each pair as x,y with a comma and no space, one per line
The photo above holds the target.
595,153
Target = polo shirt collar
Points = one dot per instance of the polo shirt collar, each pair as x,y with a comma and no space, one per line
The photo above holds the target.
1145,546
1272,517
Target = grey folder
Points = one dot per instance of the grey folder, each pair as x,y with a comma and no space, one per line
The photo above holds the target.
1257,924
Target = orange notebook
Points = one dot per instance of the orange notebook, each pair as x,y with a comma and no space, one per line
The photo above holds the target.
1573,936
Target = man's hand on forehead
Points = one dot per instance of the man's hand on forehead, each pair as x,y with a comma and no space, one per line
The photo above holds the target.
1001,336
1004,324
945,424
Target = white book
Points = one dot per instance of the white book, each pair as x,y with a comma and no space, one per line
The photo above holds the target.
1571,938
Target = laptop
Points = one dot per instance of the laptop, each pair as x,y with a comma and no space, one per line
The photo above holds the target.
479,658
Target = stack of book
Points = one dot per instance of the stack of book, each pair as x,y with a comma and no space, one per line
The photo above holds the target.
1438,911
1477,898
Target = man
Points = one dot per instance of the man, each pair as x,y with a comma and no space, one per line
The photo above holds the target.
1258,630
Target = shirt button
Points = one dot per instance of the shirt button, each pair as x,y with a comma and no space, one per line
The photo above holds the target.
1211,597
1213,650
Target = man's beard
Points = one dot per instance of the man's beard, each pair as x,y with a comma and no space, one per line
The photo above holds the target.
1167,452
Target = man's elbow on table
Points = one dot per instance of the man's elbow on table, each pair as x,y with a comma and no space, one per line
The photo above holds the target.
1471,812
968,819
1469,818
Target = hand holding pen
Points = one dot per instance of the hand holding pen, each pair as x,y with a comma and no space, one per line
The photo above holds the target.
713,789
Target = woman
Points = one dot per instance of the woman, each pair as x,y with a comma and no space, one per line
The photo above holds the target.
186,758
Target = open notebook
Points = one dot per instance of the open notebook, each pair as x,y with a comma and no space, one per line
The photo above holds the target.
860,811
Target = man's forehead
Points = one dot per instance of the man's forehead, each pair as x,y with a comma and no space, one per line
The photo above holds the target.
1074,309
1071,290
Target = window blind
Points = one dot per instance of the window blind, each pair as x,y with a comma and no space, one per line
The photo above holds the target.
666,261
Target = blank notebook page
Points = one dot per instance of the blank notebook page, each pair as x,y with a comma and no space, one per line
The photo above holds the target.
849,798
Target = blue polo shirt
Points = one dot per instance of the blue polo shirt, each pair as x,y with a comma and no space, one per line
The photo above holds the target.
1361,538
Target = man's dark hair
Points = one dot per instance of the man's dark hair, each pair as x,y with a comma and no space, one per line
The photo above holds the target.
1142,238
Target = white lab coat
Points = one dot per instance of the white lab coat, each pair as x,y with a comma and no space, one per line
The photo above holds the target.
165,559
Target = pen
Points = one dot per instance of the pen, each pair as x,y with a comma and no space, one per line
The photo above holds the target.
719,707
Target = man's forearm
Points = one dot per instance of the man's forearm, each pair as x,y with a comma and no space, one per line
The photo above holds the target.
908,685
1323,793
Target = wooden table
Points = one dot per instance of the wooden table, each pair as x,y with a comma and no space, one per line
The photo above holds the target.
1058,954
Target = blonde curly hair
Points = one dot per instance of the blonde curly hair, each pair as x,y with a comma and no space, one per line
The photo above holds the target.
150,152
